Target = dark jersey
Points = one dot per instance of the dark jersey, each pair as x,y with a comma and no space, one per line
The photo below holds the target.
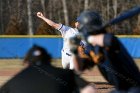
44,79
117,66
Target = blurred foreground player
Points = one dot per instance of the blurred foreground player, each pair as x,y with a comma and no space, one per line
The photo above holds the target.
41,77
106,51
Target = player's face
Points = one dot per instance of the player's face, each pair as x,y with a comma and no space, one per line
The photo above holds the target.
77,24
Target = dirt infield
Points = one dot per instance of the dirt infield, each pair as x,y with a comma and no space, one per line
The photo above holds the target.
10,67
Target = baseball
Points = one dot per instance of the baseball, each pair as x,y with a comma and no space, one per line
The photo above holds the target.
39,14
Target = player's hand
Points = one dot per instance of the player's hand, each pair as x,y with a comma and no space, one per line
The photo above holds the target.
89,89
40,15
96,40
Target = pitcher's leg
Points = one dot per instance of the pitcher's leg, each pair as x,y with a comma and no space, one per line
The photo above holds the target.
65,61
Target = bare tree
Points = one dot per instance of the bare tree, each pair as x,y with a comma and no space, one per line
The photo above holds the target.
43,6
138,23
108,9
79,7
101,1
18,9
30,24
65,10
1,16
86,4
115,7
9,7
49,9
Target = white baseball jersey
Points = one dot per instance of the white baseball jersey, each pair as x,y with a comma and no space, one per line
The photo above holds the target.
66,33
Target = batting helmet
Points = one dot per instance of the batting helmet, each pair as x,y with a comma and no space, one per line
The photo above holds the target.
90,22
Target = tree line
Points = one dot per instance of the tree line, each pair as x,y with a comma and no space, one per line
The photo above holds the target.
18,17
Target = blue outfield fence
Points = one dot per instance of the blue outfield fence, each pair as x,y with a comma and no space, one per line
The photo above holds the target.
132,45
17,46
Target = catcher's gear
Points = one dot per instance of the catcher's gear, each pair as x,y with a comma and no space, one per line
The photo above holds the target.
87,60
84,60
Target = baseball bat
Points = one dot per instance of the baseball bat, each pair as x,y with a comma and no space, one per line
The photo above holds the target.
123,16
